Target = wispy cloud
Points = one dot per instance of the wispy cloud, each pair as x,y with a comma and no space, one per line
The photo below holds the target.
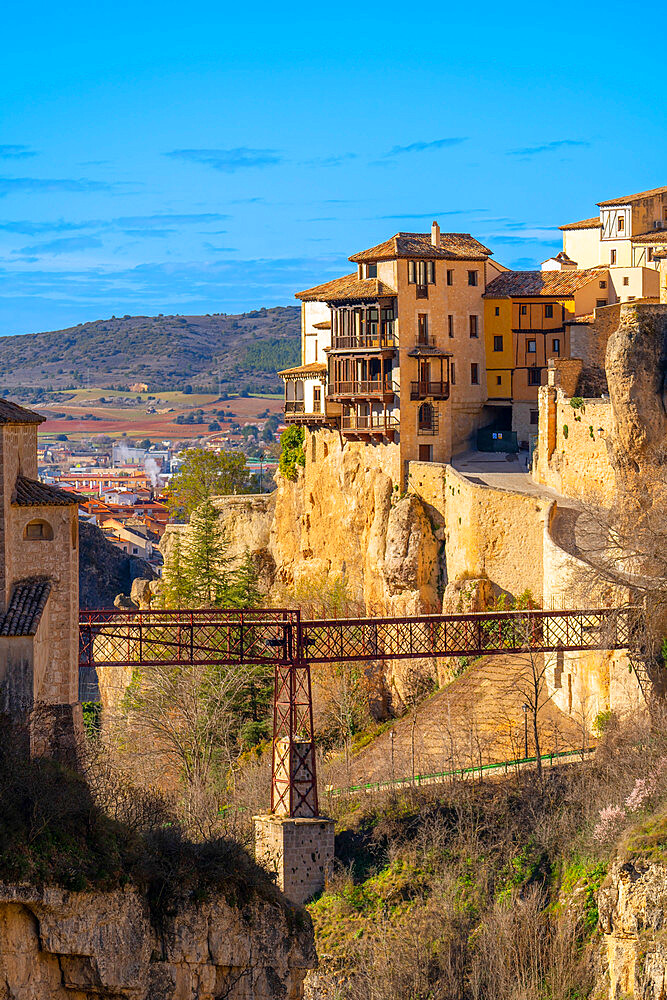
558,145
229,160
331,161
430,215
147,224
9,152
9,185
54,248
423,147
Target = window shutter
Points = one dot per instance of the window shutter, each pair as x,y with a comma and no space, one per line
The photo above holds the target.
411,272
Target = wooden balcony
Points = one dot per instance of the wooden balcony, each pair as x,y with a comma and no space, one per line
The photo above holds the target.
370,342
373,389
369,425
429,390
295,413
293,406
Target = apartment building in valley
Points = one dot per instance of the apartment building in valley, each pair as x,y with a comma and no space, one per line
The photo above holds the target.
393,354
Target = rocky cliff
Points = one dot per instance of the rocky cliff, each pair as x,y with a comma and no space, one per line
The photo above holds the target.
75,945
632,905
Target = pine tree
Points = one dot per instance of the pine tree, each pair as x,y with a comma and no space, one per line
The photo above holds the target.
175,590
205,559
243,589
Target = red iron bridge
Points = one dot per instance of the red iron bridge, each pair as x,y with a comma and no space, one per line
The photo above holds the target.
282,639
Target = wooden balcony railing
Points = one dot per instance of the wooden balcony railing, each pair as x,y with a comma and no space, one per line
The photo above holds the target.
368,421
434,390
294,406
364,342
375,387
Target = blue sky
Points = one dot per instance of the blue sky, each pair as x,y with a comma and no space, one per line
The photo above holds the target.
192,159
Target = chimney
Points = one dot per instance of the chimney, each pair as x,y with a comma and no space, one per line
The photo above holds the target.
435,234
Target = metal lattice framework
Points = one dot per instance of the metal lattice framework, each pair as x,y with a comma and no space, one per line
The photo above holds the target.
281,638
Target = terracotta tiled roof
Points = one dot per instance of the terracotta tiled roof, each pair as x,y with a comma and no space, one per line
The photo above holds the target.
535,283
31,493
453,246
12,413
314,368
657,236
348,287
584,224
633,197
25,607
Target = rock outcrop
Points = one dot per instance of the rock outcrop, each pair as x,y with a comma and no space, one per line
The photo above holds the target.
632,905
58,944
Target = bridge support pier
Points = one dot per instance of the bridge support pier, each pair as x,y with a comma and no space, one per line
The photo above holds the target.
299,850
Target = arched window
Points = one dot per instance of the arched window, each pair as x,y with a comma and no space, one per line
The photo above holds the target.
38,531
425,417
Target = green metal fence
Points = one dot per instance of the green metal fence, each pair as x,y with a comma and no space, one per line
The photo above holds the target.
503,766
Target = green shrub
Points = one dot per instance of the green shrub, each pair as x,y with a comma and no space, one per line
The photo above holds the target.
292,456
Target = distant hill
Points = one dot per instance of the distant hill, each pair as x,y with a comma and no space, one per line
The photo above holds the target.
162,351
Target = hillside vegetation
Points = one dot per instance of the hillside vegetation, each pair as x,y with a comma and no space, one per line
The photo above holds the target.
158,350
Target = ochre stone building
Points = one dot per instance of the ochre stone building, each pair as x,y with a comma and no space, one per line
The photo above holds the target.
39,591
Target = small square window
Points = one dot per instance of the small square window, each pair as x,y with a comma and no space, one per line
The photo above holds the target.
371,270
474,374
549,310
524,310
555,345
497,310
473,277
531,346
497,343
450,277
603,284
600,302
621,224
499,380
626,281
534,376
534,417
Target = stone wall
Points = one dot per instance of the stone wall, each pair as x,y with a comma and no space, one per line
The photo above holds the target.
487,532
56,944
573,448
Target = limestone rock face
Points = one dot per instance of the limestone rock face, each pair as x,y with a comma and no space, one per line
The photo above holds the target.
632,905
636,365
56,944
462,597
411,550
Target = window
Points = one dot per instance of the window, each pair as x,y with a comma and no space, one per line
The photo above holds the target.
450,277
425,417
600,302
524,310
450,325
499,380
135,550
549,311
38,531
422,328
649,253
626,281
474,374
497,343
612,256
534,417
473,277
474,326
534,376
531,346
371,270
421,272
620,224
317,398
452,373
603,284
497,310
425,452
555,345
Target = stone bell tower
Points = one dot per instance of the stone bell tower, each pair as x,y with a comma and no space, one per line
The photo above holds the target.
39,592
